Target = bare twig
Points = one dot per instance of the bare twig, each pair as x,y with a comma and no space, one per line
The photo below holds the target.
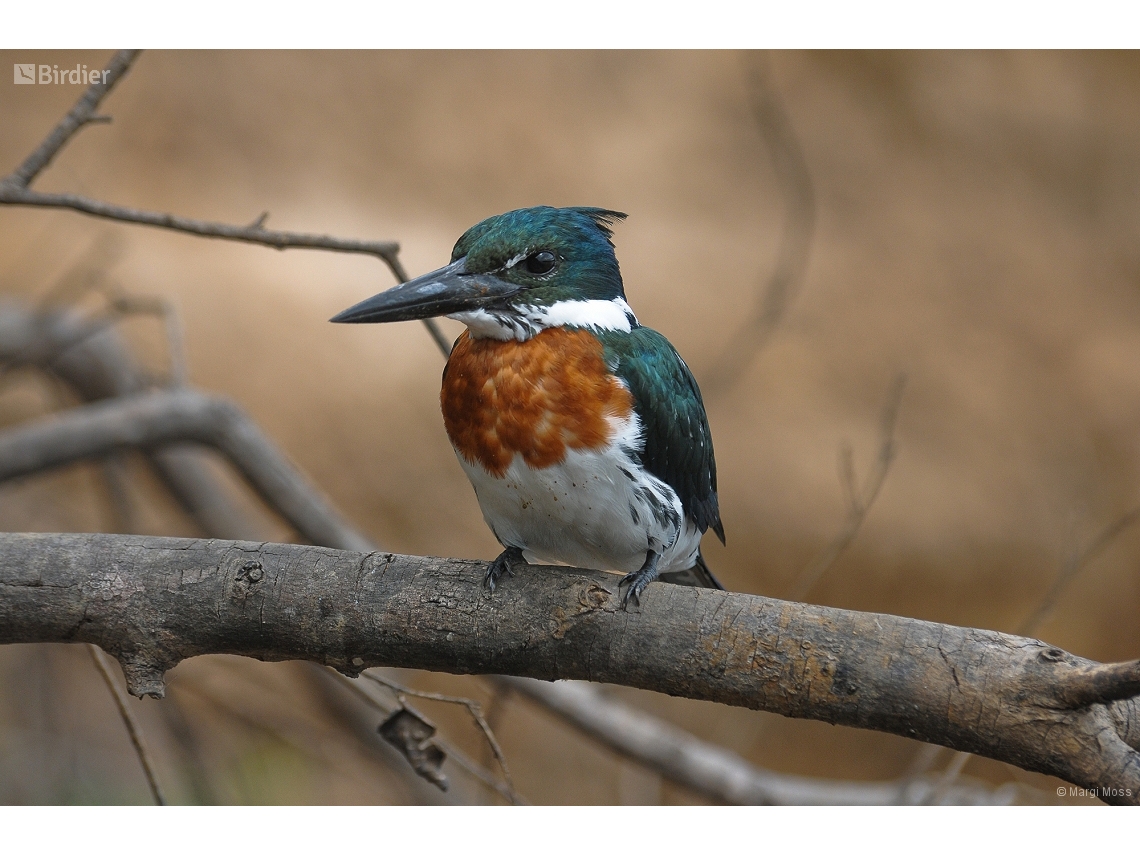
132,725
307,738
11,194
190,748
429,323
81,114
859,501
122,305
948,777
15,189
717,772
114,471
1073,567
462,760
795,184
474,708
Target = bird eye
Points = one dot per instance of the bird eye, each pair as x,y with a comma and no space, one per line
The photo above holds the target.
540,262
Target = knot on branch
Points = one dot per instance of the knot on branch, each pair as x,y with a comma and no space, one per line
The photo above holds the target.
144,677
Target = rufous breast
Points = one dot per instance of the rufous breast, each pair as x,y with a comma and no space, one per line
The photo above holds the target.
537,398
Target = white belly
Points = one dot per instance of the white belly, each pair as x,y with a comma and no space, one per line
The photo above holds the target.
594,509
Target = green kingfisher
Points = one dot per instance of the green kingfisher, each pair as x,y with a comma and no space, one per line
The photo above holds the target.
582,431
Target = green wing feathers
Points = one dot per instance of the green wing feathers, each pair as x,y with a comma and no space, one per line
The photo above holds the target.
678,444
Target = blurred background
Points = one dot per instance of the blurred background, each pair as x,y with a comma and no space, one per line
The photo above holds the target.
805,228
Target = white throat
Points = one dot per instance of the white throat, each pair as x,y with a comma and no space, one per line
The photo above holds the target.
595,314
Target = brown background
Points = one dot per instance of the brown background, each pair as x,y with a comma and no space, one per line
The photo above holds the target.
977,229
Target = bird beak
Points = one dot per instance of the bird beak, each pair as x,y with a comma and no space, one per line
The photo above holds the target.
445,291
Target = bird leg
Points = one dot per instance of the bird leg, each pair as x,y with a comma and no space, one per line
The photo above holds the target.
507,559
637,581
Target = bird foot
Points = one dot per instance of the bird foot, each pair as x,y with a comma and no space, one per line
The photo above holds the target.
638,580
505,563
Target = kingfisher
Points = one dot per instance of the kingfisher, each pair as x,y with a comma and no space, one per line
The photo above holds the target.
582,431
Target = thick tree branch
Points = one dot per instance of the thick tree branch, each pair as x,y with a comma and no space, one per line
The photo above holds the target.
152,602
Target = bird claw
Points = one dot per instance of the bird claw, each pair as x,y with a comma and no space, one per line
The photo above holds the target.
505,563
633,592
638,580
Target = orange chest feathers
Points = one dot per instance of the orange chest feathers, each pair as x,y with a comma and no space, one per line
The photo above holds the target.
536,398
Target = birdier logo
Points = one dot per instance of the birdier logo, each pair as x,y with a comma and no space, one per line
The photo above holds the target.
29,72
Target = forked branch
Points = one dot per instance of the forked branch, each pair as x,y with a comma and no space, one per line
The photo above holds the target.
15,189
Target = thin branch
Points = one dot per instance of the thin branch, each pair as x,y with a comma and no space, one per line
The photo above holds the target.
301,736
129,720
429,323
12,194
122,305
716,772
178,416
15,189
190,748
151,602
859,501
461,760
474,708
1076,563
794,181
951,774
81,114
99,366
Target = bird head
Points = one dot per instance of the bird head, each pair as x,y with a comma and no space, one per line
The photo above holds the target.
515,274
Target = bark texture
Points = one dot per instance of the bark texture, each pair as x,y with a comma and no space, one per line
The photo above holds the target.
152,602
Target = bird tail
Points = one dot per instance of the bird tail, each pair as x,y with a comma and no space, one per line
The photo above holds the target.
697,576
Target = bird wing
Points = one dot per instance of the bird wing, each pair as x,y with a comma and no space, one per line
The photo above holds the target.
678,444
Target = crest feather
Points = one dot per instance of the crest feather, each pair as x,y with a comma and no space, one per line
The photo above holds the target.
603,218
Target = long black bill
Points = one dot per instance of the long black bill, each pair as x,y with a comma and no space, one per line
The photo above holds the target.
445,291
